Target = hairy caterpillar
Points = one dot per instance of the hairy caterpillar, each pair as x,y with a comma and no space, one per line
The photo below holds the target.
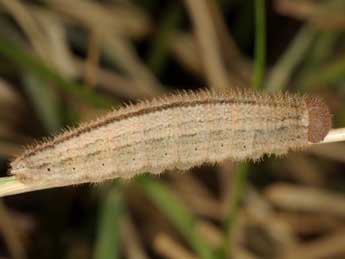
178,131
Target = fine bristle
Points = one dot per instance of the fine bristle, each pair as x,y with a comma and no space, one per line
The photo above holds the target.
179,131
319,119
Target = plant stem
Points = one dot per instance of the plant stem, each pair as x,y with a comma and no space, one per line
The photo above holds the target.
162,40
293,56
240,177
237,193
177,213
11,186
29,63
108,236
260,44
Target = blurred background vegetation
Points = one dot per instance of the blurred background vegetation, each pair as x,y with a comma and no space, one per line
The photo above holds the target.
65,61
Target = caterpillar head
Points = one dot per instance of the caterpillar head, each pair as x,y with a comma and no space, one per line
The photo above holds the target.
319,119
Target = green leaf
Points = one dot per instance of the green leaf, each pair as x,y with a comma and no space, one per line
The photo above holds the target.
292,57
30,64
108,236
177,213
162,40
46,102
260,44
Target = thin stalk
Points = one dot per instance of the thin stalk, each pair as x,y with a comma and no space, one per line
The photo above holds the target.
331,73
294,55
260,44
177,213
162,40
108,236
28,63
240,177
11,186
237,193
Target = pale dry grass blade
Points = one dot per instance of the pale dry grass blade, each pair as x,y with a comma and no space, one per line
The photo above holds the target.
46,34
197,196
238,239
10,186
10,233
334,151
120,19
169,248
93,56
111,25
208,41
282,72
58,52
322,14
8,149
184,47
308,224
112,82
335,135
239,68
10,100
306,199
211,233
7,94
11,139
28,23
114,46
258,211
240,253
226,178
9,132
331,246
299,9
300,168
132,244
123,55
154,221
45,100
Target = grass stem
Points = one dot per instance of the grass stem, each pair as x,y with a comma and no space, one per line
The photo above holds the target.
237,193
260,44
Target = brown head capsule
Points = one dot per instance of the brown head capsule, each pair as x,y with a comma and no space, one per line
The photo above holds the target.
319,119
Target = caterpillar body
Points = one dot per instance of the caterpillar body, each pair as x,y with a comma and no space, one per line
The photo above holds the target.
176,132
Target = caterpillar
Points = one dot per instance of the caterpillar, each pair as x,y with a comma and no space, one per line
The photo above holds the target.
176,132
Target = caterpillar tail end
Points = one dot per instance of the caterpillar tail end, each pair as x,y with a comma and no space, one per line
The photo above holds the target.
320,121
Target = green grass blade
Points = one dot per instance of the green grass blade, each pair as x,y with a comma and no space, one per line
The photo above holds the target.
162,40
30,64
177,213
260,44
7,179
322,51
240,177
332,73
45,101
324,45
293,56
108,237
238,190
